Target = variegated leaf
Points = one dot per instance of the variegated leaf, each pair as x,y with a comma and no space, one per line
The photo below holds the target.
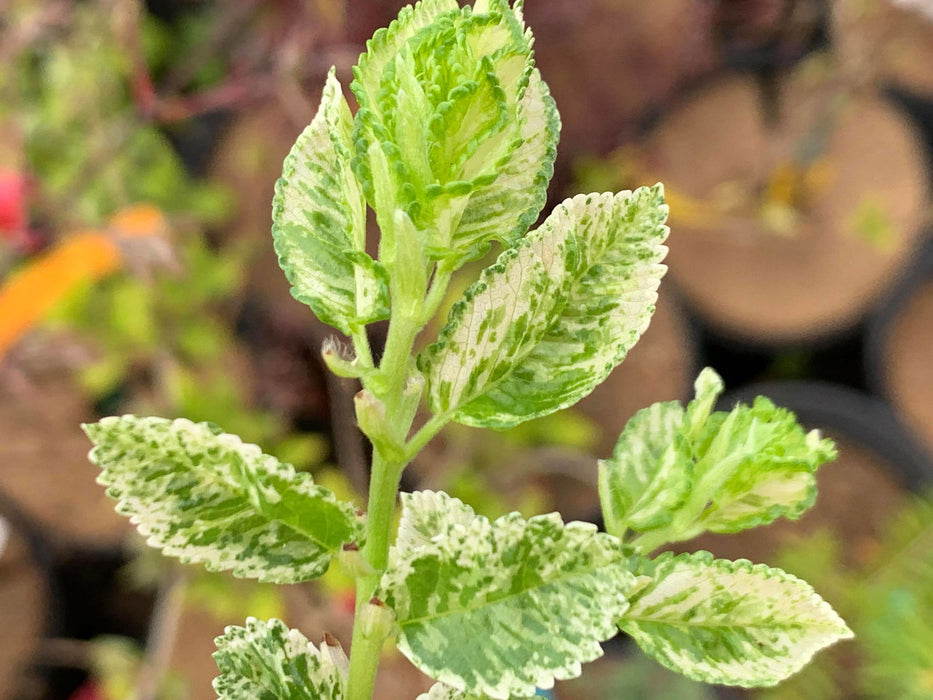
650,472
385,44
500,320
728,622
446,107
442,691
648,477
269,661
757,464
497,608
505,209
319,223
553,316
676,473
204,496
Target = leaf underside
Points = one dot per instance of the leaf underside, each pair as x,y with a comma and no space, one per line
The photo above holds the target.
728,622
269,661
498,608
205,496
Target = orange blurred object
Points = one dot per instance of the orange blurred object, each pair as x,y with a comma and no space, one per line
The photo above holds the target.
34,290
138,221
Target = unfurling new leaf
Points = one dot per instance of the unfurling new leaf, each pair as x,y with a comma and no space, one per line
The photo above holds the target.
269,661
728,622
205,496
554,315
455,126
497,608
678,472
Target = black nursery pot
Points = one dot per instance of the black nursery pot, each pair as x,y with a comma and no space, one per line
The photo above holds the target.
899,337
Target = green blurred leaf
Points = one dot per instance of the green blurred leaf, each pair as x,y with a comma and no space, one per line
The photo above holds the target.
676,473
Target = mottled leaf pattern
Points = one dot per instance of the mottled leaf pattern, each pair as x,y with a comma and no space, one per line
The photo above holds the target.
497,608
442,691
647,477
675,473
269,661
553,316
650,472
507,208
758,464
451,110
385,44
204,496
319,223
728,622
500,320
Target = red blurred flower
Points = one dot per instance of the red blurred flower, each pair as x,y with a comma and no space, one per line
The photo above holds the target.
14,190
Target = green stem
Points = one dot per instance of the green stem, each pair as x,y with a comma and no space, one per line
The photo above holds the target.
366,647
361,346
389,461
424,435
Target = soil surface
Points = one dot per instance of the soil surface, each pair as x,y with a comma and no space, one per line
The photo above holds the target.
909,369
820,274
44,465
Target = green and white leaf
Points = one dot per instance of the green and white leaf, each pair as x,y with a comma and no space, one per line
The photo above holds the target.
442,691
498,608
675,473
443,103
319,223
506,208
385,44
757,464
269,661
553,316
728,622
501,319
650,473
204,496
648,477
